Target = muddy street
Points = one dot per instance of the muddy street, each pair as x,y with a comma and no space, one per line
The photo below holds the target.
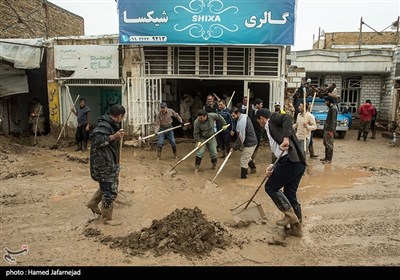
350,209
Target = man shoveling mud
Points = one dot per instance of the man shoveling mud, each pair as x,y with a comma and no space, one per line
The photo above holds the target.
289,169
104,158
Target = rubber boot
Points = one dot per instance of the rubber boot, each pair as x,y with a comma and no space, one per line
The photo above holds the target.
93,203
329,157
359,136
84,146
326,155
295,230
197,163
174,151
312,154
214,163
297,211
159,150
243,173
373,134
106,214
284,205
78,146
252,167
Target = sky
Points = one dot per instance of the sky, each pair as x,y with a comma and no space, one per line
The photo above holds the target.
330,15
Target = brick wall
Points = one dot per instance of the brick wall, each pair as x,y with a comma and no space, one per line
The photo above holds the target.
371,88
337,79
295,76
27,19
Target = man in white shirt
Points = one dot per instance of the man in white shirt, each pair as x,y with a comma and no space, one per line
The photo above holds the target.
304,125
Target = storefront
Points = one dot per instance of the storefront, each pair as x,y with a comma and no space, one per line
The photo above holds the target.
88,70
202,47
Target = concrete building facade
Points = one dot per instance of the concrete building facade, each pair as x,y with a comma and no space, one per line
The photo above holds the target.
362,73
24,27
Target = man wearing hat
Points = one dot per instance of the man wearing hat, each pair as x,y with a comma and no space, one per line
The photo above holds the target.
277,107
329,129
164,121
288,171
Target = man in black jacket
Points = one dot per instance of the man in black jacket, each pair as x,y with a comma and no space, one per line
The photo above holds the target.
104,162
329,129
288,171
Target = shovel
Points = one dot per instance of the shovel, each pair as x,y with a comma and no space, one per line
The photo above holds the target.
118,200
256,211
154,134
195,149
55,146
211,183
36,126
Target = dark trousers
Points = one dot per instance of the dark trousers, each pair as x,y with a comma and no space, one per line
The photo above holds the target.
110,192
286,174
81,133
224,141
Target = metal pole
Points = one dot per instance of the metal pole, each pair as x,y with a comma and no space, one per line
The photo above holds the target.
360,34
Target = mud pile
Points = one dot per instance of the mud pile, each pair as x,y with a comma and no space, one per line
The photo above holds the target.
184,231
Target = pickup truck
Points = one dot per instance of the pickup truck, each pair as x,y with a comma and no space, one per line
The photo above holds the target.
320,112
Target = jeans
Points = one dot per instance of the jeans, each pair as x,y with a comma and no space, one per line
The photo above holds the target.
169,135
286,174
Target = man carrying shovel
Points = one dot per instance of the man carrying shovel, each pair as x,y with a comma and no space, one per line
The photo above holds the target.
203,128
163,122
246,137
289,169
104,158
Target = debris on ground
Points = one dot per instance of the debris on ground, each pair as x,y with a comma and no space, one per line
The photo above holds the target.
22,174
241,224
381,170
184,231
91,232
78,159
277,242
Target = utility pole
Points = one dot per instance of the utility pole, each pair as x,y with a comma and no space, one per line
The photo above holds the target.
46,22
360,35
397,30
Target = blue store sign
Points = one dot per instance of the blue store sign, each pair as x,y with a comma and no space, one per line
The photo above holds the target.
207,22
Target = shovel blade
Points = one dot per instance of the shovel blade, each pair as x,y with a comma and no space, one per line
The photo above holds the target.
253,212
210,185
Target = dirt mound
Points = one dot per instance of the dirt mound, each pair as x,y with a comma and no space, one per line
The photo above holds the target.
185,231
78,159
90,232
22,174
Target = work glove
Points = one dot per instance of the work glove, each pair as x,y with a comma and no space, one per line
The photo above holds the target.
198,144
225,127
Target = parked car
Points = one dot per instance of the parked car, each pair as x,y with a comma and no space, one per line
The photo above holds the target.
320,112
